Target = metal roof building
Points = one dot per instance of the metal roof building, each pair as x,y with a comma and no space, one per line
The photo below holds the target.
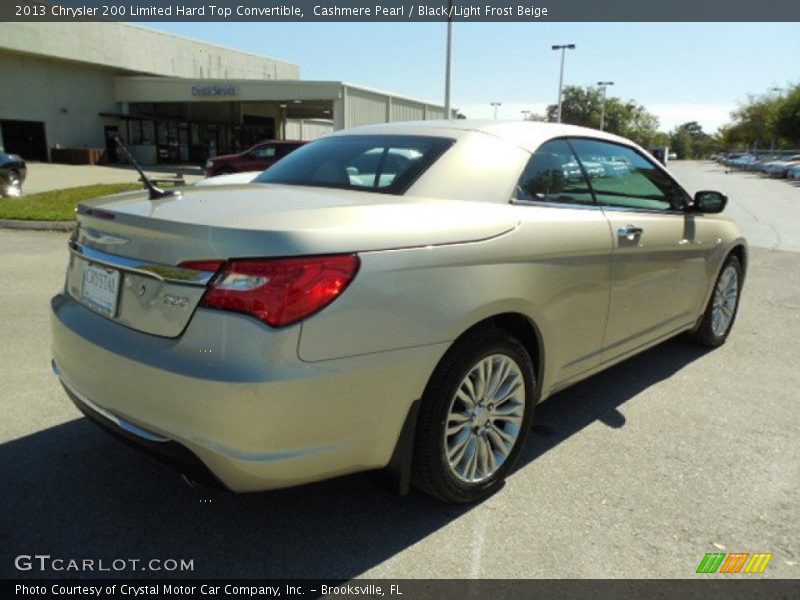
173,99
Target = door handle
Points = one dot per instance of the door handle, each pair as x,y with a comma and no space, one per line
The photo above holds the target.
630,232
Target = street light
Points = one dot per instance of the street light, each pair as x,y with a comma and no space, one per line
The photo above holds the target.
525,114
495,105
603,85
563,48
448,62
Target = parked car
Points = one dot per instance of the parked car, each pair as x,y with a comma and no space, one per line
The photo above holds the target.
793,172
744,161
780,167
261,156
12,174
762,162
229,179
322,322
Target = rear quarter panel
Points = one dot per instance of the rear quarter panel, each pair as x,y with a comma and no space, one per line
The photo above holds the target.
430,295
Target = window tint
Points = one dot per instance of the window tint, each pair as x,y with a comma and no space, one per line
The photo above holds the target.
284,149
265,151
364,162
553,175
622,177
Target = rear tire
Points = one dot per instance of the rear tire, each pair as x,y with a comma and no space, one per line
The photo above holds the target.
474,417
722,306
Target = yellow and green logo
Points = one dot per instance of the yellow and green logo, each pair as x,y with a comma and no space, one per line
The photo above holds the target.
736,562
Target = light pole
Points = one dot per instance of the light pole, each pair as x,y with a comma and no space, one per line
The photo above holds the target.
495,105
525,114
603,85
563,48
448,63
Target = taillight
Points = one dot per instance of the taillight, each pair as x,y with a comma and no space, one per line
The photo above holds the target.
280,291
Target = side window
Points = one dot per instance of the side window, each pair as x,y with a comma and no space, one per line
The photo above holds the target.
624,178
284,149
553,175
265,151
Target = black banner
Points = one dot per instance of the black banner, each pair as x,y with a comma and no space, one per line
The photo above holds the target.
733,588
401,10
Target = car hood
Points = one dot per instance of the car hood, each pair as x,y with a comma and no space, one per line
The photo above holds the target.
282,220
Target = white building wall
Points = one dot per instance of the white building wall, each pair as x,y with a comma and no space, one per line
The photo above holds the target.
363,107
407,110
132,49
68,97
307,129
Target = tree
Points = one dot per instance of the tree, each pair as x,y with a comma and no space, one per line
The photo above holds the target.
579,106
680,142
690,141
583,106
754,122
787,116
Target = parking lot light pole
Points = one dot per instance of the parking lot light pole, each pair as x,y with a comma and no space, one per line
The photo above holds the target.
525,114
448,63
603,85
563,48
495,105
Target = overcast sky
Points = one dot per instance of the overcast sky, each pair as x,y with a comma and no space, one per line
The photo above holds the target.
679,71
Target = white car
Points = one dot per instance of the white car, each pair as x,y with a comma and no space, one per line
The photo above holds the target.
230,179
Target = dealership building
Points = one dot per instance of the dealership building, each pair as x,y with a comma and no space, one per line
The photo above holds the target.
69,88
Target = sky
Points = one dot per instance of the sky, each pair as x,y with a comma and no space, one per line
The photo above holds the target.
679,71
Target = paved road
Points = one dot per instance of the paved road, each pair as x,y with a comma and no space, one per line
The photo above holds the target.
637,472
767,210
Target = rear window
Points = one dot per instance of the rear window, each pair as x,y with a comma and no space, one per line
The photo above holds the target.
388,164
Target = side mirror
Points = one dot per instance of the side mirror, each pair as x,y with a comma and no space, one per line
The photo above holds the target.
707,201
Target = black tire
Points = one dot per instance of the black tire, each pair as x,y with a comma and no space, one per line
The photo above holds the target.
431,469
707,334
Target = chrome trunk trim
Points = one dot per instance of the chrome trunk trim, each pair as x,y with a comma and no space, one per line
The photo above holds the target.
162,272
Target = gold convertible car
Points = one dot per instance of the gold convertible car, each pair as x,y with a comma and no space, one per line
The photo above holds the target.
395,297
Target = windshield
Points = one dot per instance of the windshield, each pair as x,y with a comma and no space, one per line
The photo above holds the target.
374,163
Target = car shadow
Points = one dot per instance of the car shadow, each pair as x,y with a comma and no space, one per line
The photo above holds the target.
70,491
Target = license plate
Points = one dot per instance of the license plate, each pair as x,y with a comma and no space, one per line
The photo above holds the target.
100,289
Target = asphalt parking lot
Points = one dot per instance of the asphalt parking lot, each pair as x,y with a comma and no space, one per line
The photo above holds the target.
636,472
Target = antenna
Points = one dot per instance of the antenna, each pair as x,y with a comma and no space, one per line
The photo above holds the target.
156,193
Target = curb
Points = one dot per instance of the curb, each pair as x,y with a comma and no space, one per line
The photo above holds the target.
37,225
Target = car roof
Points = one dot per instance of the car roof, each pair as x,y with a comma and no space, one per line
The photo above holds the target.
280,142
527,134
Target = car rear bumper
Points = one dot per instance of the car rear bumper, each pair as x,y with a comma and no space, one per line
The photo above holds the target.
230,396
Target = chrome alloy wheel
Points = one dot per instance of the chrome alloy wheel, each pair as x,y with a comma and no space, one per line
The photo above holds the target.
723,308
484,419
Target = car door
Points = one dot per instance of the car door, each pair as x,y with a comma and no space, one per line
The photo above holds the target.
659,257
569,244
260,157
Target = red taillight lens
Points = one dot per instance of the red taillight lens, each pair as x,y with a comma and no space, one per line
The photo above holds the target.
281,291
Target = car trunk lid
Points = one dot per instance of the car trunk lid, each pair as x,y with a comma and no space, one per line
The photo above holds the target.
126,254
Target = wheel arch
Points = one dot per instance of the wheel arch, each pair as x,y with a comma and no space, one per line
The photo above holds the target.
740,252
396,476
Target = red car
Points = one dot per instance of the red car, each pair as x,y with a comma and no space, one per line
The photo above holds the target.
261,156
